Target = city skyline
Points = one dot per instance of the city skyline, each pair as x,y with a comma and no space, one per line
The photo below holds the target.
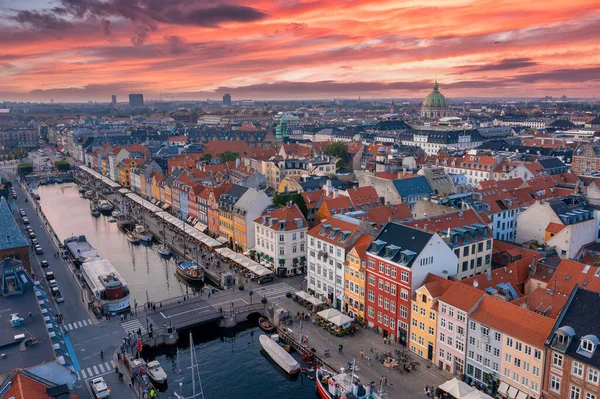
80,50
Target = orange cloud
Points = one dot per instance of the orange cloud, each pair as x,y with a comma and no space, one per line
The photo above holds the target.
89,49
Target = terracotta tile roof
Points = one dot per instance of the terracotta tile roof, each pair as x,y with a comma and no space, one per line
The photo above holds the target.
361,245
340,204
447,221
333,223
287,213
554,227
26,388
297,150
503,246
510,184
436,285
462,296
387,175
520,323
545,302
514,274
569,272
384,214
312,198
361,195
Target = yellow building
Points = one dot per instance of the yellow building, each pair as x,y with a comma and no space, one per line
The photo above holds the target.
125,171
423,317
157,178
354,275
226,225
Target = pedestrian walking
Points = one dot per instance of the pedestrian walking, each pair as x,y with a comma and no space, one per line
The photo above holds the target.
368,361
385,380
362,354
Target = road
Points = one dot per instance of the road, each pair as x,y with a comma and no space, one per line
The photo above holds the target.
87,335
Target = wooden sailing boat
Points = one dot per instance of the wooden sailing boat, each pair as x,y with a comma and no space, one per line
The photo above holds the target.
197,391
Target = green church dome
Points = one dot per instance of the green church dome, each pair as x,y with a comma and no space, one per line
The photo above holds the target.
435,98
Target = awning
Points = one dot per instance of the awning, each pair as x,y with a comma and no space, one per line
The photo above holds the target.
512,392
166,206
244,261
123,191
503,388
340,320
522,395
140,201
302,295
328,313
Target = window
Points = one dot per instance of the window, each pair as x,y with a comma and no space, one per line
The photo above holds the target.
537,354
508,358
431,331
509,342
460,316
404,294
557,360
371,296
371,264
496,352
577,369
371,280
517,362
431,315
554,383
536,371
393,289
404,277
442,337
575,392
518,346
473,326
592,376
497,336
590,396
403,311
587,345
528,350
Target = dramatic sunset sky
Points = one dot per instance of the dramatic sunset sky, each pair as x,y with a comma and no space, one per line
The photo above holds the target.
76,50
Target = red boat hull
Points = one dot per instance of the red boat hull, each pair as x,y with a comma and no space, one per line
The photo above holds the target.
323,394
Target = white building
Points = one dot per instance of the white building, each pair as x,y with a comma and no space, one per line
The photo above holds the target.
328,244
280,238
564,223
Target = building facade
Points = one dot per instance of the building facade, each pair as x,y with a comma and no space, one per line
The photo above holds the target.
354,278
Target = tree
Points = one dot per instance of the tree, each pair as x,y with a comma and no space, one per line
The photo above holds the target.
340,163
206,157
298,199
228,156
337,149
62,166
25,168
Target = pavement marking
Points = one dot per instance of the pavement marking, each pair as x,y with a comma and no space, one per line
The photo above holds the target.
84,323
90,321
133,326
95,369
80,324
69,326
83,374
89,371
112,364
101,367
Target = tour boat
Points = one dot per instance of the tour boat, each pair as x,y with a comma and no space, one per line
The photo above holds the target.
106,284
105,206
164,251
342,386
266,325
123,222
279,355
95,212
190,272
143,233
133,238
80,249
156,373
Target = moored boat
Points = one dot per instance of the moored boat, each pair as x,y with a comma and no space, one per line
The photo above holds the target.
342,386
164,251
190,272
279,355
82,189
143,233
133,238
80,249
123,222
266,325
156,373
95,212
105,206
106,284
88,194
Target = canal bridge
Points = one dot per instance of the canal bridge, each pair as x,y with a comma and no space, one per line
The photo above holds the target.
170,316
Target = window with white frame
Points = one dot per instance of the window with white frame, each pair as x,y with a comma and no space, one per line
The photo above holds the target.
587,345
592,376
557,360
574,392
577,369
554,383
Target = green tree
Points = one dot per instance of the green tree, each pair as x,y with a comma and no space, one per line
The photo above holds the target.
337,149
228,156
340,163
25,168
62,166
298,199
206,157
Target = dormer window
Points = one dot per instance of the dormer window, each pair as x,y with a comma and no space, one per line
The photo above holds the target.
587,345
562,339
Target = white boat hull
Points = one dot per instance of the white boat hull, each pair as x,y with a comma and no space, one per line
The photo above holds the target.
147,238
279,355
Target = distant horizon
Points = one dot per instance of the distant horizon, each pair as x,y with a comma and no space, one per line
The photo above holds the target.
82,50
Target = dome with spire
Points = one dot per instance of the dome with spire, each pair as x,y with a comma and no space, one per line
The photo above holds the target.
435,104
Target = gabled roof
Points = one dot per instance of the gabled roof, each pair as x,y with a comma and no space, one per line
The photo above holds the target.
447,221
462,296
361,245
406,240
290,214
581,318
26,385
11,236
436,285
520,323
554,228
335,229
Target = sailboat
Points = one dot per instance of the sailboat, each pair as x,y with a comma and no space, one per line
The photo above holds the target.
163,249
197,391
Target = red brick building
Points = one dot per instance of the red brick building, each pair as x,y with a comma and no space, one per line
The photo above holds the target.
398,261
586,159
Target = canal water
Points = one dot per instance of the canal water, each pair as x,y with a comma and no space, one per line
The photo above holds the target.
231,366
141,266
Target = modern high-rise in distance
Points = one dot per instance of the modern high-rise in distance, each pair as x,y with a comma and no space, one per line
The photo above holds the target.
227,99
114,100
136,100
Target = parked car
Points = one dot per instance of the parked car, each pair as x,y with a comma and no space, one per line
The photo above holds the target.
99,388
45,264
35,242
38,250
31,235
14,196
59,297
53,284
29,229
49,276
25,220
